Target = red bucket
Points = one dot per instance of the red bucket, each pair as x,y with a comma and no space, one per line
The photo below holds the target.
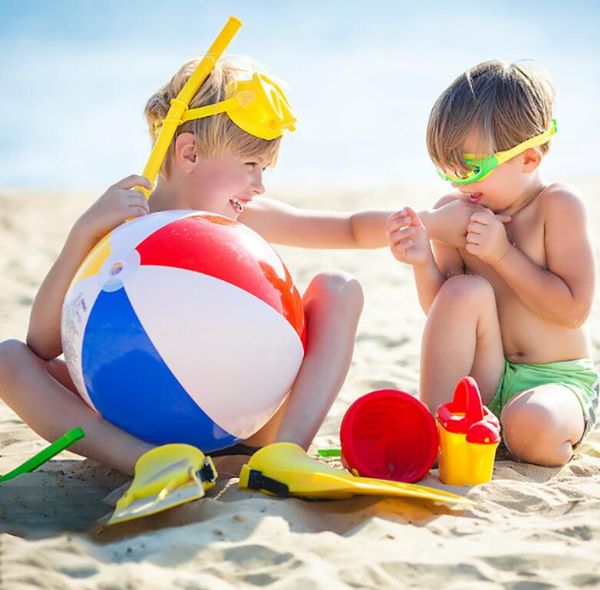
389,434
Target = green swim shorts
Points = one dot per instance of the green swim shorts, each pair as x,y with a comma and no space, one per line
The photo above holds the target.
579,376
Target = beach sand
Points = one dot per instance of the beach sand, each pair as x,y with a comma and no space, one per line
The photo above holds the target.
532,527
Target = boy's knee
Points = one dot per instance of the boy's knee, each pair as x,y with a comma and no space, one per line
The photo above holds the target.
467,290
338,288
11,354
533,433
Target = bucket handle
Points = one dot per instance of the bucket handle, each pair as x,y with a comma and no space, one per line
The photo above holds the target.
467,399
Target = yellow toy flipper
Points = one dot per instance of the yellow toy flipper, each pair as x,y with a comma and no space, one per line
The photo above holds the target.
284,469
165,477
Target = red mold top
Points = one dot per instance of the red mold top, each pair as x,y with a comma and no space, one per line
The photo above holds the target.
466,414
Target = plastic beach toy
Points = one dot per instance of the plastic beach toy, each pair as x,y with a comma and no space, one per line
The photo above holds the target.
64,442
165,477
469,436
284,470
389,434
158,323
257,105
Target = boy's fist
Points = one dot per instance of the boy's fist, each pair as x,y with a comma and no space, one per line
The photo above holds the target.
120,202
486,236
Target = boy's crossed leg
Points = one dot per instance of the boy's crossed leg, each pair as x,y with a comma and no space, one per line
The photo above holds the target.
462,337
333,303
541,425
43,395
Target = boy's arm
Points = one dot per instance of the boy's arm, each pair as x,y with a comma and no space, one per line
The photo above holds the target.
428,280
281,223
43,335
118,203
449,218
562,292
447,262
410,243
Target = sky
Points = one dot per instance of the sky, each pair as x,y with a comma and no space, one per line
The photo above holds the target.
361,76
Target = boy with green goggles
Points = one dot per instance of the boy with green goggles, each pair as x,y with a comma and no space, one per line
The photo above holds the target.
504,269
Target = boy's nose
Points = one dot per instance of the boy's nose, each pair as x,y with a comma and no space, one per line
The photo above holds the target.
258,188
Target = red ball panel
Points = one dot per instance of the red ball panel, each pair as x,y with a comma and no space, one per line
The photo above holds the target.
227,250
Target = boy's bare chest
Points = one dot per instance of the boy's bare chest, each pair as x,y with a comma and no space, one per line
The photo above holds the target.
525,231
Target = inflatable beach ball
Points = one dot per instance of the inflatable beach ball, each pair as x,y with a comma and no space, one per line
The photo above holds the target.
184,326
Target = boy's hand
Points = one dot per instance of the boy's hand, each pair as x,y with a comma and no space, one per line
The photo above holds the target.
447,221
118,203
486,236
408,237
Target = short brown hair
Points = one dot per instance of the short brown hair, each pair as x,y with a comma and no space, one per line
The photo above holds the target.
216,133
506,103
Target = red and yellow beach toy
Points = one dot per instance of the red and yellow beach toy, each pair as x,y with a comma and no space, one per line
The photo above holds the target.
469,436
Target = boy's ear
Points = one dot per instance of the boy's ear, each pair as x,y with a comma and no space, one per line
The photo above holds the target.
186,152
532,158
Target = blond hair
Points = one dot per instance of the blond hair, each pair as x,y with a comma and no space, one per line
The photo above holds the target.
214,134
504,103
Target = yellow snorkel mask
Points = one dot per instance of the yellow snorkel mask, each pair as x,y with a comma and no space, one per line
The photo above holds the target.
256,105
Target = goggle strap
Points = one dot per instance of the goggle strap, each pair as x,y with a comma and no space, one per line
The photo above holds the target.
536,141
530,143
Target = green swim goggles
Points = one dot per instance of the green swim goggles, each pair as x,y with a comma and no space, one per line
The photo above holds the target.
481,167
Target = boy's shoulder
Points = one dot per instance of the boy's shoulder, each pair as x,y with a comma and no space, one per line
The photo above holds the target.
561,199
560,193
562,208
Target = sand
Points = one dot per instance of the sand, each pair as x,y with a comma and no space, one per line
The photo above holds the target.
532,527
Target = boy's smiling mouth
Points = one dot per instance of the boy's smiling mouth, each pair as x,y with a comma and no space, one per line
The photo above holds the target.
475,197
237,205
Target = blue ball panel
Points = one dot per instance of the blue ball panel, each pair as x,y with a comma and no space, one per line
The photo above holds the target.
132,387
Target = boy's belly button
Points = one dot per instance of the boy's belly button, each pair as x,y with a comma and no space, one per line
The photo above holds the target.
514,356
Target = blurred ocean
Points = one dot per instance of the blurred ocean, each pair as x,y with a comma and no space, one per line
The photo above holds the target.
362,76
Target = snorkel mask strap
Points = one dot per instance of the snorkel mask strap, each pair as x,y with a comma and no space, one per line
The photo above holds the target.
210,109
198,113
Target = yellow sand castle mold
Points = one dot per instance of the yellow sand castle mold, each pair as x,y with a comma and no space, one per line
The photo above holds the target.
469,436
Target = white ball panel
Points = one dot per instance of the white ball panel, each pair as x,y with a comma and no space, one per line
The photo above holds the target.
77,306
235,355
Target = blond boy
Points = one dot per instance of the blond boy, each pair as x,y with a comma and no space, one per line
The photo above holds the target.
212,165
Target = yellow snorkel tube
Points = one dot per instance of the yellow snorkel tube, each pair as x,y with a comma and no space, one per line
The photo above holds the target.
180,104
